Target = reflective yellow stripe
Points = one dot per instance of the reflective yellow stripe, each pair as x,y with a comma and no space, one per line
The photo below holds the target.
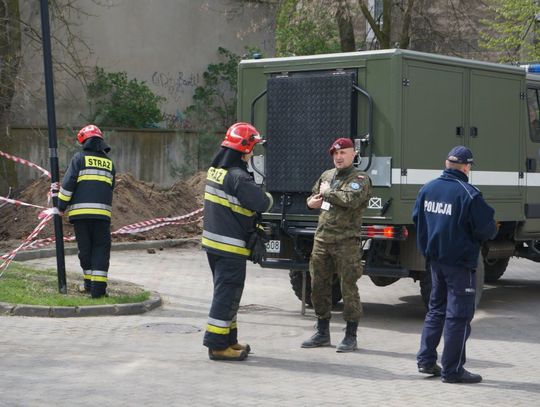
94,178
234,325
76,212
99,278
217,330
63,197
225,247
224,202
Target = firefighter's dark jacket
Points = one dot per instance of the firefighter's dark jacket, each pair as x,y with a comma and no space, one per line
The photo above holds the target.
452,220
231,201
87,187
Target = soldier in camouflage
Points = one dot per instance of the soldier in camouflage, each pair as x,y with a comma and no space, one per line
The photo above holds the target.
341,194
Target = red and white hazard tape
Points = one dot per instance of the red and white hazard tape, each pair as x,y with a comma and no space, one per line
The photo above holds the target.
153,223
20,203
159,225
30,243
25,162
11,255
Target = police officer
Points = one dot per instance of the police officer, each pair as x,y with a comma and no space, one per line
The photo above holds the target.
452,220
341,194
86,196
231,202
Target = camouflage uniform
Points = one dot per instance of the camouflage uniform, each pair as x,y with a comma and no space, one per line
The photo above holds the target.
337,247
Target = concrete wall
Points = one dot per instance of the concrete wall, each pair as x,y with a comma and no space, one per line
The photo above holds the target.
166,43
156,156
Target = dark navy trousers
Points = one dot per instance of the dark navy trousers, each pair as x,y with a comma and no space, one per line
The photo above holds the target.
451,310
229,277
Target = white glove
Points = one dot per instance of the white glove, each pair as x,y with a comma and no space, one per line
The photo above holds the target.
49,211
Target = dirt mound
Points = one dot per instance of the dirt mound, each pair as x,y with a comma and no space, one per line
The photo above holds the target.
133,201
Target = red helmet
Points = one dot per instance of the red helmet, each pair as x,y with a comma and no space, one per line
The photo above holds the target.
241,137
88,131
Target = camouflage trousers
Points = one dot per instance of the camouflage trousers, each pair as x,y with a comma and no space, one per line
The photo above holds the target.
343,258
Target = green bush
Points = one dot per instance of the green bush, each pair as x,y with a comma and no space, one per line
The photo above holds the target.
116,101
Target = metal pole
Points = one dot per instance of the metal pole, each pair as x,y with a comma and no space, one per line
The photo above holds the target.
53,151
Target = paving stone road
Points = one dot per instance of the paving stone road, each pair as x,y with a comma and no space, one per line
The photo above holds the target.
156,359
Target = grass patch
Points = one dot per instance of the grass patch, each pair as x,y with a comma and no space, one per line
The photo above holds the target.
21,284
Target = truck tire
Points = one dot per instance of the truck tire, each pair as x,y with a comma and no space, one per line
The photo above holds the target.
494,269
296,283
383,281
425,283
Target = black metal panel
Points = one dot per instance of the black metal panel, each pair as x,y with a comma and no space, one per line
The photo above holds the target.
532,211
306,112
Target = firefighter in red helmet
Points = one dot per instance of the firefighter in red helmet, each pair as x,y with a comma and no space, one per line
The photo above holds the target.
232,200
86,197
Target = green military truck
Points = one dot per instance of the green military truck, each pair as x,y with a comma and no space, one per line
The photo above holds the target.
404,110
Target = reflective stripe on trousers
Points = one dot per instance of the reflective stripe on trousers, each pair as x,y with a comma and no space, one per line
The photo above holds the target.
229,276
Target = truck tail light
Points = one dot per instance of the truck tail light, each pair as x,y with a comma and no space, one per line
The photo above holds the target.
384,232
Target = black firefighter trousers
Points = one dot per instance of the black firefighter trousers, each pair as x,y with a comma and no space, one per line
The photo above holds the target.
94,244
229,277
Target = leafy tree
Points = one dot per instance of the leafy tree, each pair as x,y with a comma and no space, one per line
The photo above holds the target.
513,29
118,102
306,28
20,24
321,26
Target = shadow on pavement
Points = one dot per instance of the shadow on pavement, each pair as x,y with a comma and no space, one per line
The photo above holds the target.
358,371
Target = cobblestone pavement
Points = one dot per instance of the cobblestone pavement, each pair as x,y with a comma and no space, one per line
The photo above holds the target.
156,359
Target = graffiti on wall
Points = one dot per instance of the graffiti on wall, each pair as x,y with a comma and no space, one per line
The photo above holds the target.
176,84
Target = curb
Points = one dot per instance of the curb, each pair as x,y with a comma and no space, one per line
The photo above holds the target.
23,310
72,249
153,302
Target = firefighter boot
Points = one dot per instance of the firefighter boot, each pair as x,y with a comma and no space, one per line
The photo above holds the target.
99,289
348,344
321,337
227,354
238,346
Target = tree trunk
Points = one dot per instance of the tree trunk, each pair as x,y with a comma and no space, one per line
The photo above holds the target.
382,34
345,26
405,36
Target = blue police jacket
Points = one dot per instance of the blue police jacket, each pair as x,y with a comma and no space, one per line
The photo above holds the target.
452,220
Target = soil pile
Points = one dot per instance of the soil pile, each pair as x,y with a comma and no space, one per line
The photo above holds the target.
134,201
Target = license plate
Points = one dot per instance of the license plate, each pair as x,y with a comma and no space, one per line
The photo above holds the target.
273,246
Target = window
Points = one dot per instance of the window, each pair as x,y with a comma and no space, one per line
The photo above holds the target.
533,103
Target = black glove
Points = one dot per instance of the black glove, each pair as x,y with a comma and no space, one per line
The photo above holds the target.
257,244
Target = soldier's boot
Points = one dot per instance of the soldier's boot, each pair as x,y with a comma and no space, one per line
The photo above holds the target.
349,344
227,354
239,346
321,337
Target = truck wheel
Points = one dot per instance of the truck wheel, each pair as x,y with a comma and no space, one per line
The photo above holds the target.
296,283
494,269
383,281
